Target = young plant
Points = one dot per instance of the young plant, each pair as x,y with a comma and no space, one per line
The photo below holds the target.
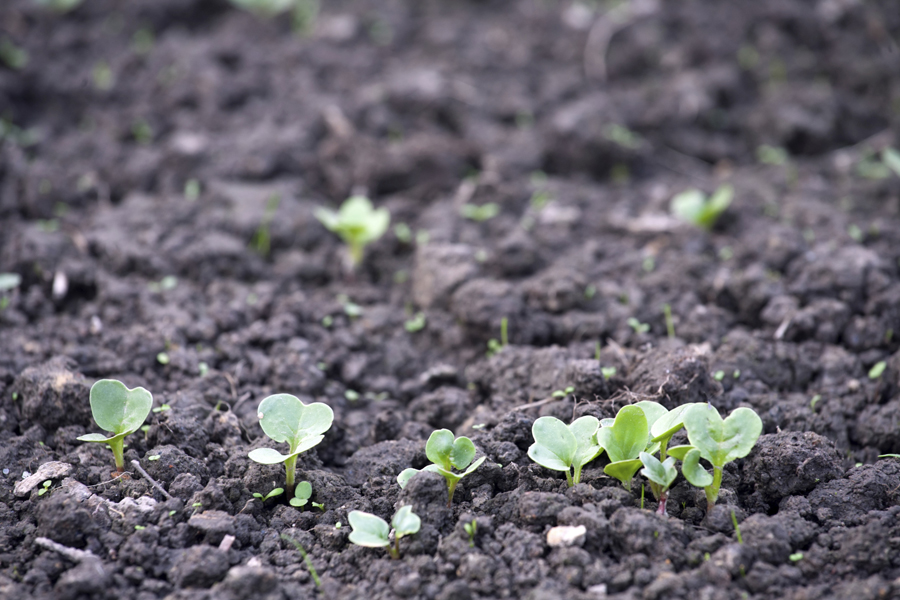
302,494
120,411
272,494
637,326
284,418
668,425
719,442
624,440
471,529
480,213
695,207
357,223
445,453
661,476
265,8
561,447
371,531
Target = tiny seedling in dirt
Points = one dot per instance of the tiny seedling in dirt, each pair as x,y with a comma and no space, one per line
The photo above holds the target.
416,323
877,369
471,529
371,531
120,411
695,207
358,223
284,418
661,476
624,440
719,441
481,213
272,494
493,345
563,393
608,372
637,325
265,8
60,6
302,494
567,448
306,559
670,323
446,454
261,242
8,282
45,488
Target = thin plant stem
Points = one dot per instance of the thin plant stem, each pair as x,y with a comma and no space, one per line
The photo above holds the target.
504,333
117,444
290,468
712,490
670,324
306,559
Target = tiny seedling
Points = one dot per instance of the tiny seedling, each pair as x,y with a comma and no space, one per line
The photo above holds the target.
670,323
637,325
272,494
445,453
661,476
666,426
480,213
302,494
120,411
306,559
416,323
624,440
371,531
567,448
495,346
695,207
608,372
877,369
261,242
563,393
737,528
471,529
358,223
284,418
719,441
265,8
61,6
45,488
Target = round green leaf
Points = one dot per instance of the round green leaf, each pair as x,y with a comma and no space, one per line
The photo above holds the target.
405,475
555,444
118,409
463,452
439,447
588,449
303,490
693,472
679,451
405,522
284,418
627,437
267,456
722,441
667,424
369,530
660,473
623,470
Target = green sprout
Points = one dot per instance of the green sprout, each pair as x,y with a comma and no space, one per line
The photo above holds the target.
272,494
719,442
261,242
417,323
637,325
284,418
481,213
302,494
371,531
45,487
695,207
670,324
471,528
661,476
624,439
608,372
495,346
357,223
8,282
877,369
667,425
306,559
563,393
60,6
567,448
445,453
264,8
737,528
119,410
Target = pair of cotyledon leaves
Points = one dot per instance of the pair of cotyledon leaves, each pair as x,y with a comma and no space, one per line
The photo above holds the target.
284,418
117,409
372,531
446,453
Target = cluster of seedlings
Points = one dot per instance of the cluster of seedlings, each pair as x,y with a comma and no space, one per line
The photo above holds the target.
631,440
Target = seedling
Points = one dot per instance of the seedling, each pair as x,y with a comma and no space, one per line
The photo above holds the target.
417,323
357,223
8,282
624,440
272,494
567,448
637,325
607,372
481,213
45,488
119,410
877,369
261,242
694,207
493,345
371,531
306,559
445,453
264,8
471,529
661,476
563,393
284,418
737,528
665,427
302,494
670,324
61,6
719,442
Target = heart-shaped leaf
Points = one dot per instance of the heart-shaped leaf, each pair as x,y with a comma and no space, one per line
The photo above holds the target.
405,522
405,475
284,418
439,447
462,453
666,426
623,470
587,448
722,441
118,409
693,472
661,473
369,530
653,411
627,437
554,445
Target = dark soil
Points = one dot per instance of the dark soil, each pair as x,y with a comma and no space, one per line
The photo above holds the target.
784,307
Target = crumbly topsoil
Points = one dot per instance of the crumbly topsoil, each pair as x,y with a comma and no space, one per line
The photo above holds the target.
425,106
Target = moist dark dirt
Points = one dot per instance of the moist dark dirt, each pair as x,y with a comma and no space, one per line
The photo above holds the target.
142,143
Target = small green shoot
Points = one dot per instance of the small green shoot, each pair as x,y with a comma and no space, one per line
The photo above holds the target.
471,529
371,531
119,410
661,476
563,393
877,369
11,55
796,557
265,9
608,372
416,323
284,418
719,442
45,488
272,494
694,207
493,345
445,453
624,440
637,325
306,559
670,324
737,528
567,448
261,242
357,223
772,155
302,494
480,213
163,358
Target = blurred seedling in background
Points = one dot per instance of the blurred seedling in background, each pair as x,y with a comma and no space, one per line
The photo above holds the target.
371,531
120,411
357,223
870,167
60,6
285,419
273,494
693,206
480,213
261,242
495,346
719,441
637,326
11,55
567,448
446,454
416,323
8,283
471,529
